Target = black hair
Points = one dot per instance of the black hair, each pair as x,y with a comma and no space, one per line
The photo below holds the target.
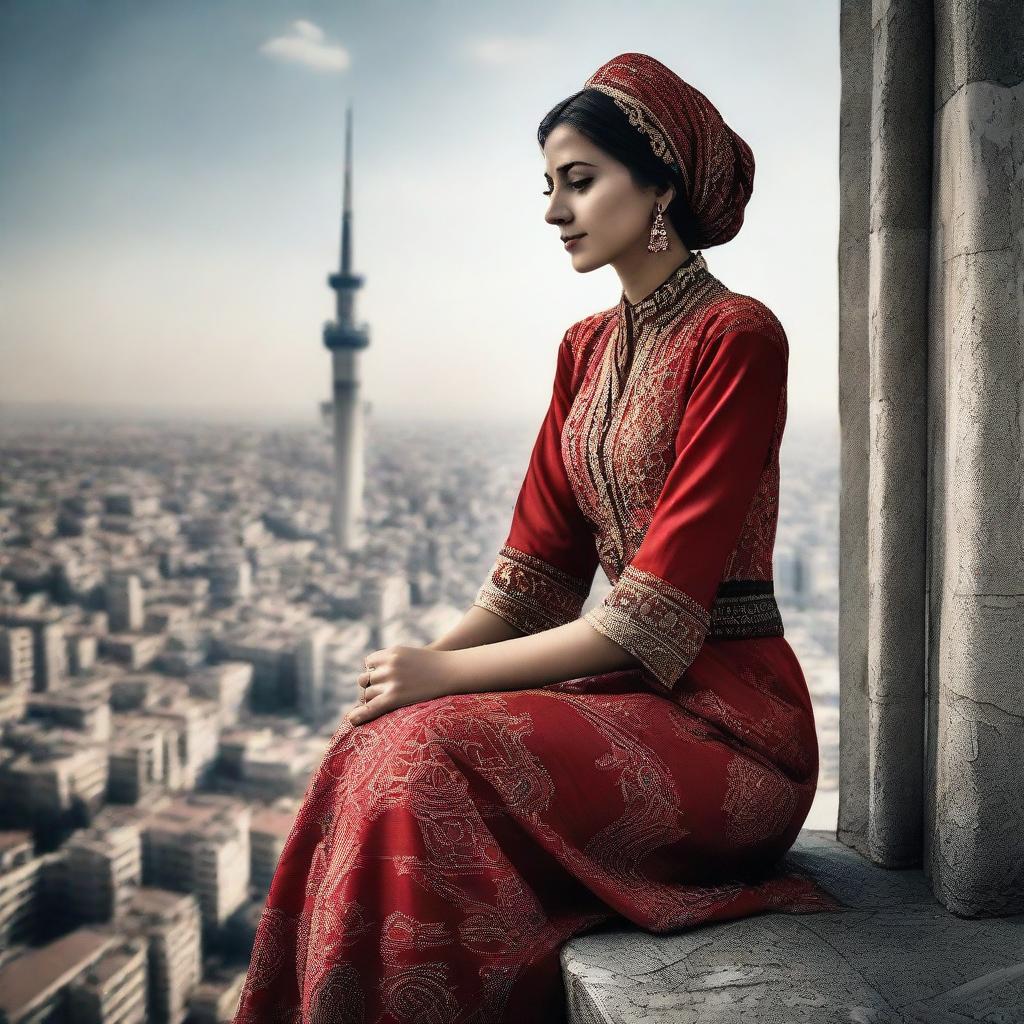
594,114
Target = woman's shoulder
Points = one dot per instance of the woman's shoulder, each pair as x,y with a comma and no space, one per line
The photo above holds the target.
581,335
729,312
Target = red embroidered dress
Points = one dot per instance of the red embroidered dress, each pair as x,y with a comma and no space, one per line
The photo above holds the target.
445,851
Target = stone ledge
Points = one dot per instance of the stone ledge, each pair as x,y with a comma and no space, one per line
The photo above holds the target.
896,957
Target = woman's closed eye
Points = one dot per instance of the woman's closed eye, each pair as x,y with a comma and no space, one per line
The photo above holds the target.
573,184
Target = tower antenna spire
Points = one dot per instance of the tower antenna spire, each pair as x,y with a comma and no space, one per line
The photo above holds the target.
346,215
345,339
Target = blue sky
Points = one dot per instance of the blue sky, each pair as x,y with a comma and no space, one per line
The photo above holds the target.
171,174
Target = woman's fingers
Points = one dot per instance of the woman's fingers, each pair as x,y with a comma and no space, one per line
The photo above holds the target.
374,706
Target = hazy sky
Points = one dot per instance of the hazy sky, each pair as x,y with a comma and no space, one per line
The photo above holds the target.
171,176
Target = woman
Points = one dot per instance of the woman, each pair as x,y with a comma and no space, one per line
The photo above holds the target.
534,774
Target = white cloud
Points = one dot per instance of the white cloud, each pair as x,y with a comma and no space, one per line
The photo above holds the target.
506,50
304,44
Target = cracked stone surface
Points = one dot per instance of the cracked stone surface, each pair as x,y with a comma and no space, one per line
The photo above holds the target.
895,956
931,399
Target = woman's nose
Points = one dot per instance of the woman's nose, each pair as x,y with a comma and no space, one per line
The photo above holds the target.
554,214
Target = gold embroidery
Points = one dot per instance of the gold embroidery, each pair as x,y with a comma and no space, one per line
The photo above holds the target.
657,623
414,789
618,436
745,608
641,118
618,440
771,727
759,802
530,593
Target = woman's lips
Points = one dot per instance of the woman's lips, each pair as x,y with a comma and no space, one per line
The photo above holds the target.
572,242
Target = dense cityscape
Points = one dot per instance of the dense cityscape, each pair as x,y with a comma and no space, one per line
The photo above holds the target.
179,639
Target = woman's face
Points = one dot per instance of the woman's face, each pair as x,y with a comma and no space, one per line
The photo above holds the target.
593,195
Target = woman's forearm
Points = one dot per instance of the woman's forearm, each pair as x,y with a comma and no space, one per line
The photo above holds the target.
475,629
565,652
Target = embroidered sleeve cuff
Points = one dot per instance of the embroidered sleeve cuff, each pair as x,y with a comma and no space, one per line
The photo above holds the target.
530,593
660,625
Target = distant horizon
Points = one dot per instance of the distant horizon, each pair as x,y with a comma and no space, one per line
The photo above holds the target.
42,412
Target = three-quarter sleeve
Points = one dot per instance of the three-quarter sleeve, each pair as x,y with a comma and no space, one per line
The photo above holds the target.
544,571
659,609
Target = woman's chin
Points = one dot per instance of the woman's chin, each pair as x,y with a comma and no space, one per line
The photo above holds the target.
583,262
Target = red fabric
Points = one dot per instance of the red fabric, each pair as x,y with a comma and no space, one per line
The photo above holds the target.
547,520
722,446
445,851
685,129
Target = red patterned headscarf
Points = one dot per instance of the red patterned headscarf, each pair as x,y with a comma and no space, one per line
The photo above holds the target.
685,130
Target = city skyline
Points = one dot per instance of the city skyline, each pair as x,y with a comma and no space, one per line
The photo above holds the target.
178,640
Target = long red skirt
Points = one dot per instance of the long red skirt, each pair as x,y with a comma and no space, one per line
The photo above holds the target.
446,850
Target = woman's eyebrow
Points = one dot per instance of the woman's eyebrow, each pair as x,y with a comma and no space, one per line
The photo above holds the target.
565,167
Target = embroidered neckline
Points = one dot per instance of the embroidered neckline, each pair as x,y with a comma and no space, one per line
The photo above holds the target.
669,295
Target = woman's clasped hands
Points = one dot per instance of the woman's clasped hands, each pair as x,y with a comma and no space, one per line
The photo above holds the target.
398,676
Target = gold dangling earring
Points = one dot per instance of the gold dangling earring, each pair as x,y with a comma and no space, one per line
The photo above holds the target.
659,236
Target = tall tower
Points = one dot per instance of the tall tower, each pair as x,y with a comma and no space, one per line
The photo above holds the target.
345,339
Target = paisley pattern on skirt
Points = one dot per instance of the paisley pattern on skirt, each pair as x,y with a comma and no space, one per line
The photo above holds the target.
445,851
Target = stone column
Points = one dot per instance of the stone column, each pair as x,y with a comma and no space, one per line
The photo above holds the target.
975,847
931,262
